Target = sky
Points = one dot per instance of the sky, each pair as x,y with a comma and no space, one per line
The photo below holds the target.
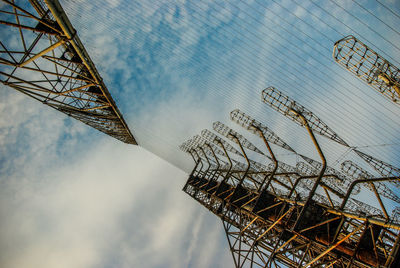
93,201
73,197
178,67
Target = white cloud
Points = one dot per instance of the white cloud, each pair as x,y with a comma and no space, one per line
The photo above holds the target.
82,211
88,204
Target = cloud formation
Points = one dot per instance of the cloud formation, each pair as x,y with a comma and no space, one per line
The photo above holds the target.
111,206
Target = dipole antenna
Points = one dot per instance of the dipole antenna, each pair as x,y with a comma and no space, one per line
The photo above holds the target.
279,222
336,178
285,105
317,165
267,226
381,167
254,126
369,66
199,141
355,171
211,137
235,137
357,205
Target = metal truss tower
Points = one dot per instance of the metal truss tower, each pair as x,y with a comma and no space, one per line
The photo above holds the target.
42,56
278,215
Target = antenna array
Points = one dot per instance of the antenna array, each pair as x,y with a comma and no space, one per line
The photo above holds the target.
308,215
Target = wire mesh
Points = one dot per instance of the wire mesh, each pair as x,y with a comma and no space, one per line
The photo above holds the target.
369,66
288,107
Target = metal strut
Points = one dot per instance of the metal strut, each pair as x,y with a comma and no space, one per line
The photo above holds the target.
51,65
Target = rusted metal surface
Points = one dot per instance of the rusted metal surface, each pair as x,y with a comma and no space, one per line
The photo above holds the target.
261,236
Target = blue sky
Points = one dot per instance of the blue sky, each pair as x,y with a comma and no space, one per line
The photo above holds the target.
70,193
177,67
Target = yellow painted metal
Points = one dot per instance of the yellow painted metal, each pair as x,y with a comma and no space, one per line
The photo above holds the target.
68,79
319,224
76,89
41,53
68,30
275,223
333,246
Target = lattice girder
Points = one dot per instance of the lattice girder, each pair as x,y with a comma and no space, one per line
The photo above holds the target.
43,57
264,241
291,219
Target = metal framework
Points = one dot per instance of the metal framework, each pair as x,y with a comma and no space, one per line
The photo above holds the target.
369,66
291,109
211,137
260,221
296,112
352,169
336,178
277,215
42,56
381,167
255,127
235,137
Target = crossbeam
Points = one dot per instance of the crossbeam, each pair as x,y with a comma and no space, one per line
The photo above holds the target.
50,64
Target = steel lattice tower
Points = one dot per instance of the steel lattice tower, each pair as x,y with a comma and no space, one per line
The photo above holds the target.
278,215
50,64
